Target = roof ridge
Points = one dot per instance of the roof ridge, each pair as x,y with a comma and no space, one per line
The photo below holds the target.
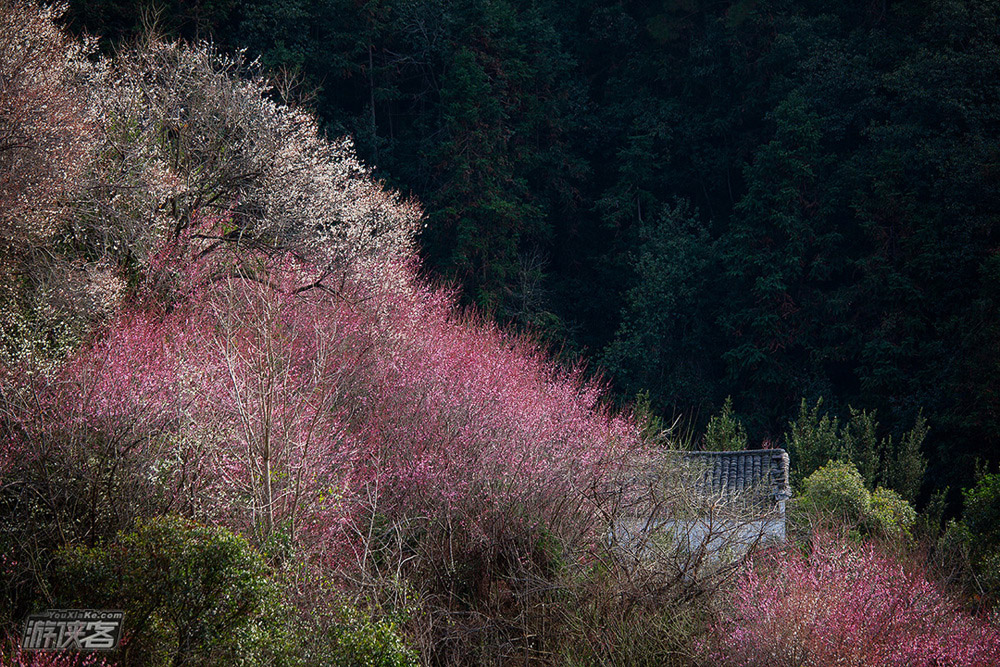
773,450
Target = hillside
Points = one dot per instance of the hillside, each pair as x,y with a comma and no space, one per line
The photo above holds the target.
233,406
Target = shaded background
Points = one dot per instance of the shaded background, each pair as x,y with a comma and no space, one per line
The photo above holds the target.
765,200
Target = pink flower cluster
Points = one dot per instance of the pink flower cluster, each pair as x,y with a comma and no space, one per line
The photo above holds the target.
12,656
471,424
847,604
267,406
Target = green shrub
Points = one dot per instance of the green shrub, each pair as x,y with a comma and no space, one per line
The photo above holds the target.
837,492
860,445
891,515
324,629
200,595
725,432
812,439
930,522
982,512
837,489
361,640
906,471
955,540
988,569
981,523
192,594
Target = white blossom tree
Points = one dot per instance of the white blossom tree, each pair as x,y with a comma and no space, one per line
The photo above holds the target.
194,151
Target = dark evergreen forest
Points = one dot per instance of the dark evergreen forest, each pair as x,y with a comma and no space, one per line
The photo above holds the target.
768,200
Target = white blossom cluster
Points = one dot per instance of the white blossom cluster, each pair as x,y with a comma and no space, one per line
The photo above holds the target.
193,143
128,170
45,126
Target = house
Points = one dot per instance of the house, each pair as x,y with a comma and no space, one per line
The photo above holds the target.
706,503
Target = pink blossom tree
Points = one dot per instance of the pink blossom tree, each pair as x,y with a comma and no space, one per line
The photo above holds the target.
276,365
847,604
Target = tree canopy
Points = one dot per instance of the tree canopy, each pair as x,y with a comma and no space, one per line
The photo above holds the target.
766,199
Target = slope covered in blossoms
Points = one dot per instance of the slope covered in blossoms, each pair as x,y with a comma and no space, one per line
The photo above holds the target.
223,320
231,405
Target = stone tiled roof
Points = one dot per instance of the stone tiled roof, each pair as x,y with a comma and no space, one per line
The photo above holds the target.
763,472
686,481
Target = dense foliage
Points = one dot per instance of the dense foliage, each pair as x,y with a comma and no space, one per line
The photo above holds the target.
266,364
764,199
836,494
231,405
192,591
